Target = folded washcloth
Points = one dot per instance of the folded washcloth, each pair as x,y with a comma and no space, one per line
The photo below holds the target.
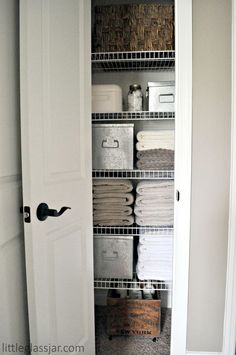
124,199
112,185
153,221
114,221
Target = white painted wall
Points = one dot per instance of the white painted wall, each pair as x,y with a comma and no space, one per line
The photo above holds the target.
210,173
13,307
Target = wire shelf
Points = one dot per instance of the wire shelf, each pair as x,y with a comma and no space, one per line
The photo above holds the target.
134,174
132,116
134,230
132,284
133,61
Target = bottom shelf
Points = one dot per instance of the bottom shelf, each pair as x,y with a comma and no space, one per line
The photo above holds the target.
132,284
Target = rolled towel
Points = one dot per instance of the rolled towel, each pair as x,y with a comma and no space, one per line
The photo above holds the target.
153,221
112,185
123,221
124,199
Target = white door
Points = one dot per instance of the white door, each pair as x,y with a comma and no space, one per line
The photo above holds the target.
56,159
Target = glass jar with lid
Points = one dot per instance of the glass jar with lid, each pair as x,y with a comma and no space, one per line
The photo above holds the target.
135,98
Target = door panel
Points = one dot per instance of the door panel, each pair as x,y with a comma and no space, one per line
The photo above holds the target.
56,161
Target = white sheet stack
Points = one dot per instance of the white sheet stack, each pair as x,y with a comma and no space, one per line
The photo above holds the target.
112,200
155,257
154,203
155,150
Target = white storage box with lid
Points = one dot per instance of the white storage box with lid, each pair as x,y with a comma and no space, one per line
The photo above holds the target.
113,146
106,98
161,96
113,257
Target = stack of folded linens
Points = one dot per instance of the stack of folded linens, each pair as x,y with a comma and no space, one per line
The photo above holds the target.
155,150
154,204
112,200
155,257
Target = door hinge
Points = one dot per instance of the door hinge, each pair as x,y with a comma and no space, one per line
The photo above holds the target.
26,211
177,195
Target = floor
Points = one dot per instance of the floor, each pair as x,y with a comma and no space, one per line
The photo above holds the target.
122,345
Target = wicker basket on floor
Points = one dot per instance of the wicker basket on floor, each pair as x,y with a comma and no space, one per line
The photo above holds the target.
144,27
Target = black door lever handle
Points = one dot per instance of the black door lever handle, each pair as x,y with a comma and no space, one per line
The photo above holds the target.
43,211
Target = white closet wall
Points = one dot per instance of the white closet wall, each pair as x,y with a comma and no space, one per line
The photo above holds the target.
210,173
13,307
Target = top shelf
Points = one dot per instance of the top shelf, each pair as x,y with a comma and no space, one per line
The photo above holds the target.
133,61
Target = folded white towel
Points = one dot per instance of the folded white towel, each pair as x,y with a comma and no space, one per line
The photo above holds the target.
152,187
147,145
151,221
157,211
153,200
148,273
155,239
155,135
111,185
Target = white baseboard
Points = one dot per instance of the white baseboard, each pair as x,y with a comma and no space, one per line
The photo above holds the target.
201,353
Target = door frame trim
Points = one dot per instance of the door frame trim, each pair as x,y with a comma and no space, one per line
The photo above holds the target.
229,338
183,158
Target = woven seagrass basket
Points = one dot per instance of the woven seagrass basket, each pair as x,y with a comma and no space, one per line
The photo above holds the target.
145,27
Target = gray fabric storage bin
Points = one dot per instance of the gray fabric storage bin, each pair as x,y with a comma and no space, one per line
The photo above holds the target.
113,257
113,146
161,96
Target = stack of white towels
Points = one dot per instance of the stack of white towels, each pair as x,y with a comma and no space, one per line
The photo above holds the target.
155,257
155,150
112,200
154,204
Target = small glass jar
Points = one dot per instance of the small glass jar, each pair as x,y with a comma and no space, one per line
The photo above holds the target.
135,98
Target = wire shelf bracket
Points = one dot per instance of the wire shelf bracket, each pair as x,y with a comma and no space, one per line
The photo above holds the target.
134,174
133,116
132,284
133,61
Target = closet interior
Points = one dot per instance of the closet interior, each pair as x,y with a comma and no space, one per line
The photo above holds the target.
133,126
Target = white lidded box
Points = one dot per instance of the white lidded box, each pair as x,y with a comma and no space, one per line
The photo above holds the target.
113,256
113,146
161,96
106,98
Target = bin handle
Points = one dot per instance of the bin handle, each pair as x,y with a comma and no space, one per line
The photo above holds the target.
110,143
113,255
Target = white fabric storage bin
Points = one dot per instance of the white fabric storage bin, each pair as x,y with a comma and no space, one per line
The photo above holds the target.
113,257
106,98
113,146
161,96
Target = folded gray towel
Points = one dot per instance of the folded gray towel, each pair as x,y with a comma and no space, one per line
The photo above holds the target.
156,159
114,199
112,185
114,221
